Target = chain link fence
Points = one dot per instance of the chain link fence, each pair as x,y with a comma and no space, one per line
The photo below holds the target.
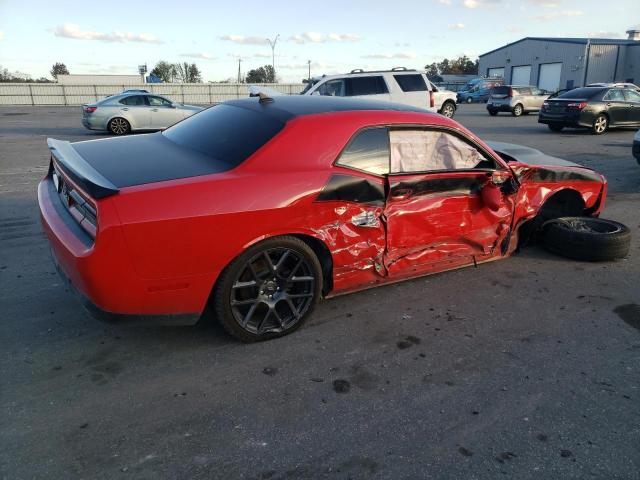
196,93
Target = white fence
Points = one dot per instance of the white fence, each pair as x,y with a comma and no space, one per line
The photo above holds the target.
200,93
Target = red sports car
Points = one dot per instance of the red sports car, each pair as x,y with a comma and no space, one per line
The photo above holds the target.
261,206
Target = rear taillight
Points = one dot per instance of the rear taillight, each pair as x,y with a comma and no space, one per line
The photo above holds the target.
576,106
545,105
81,208
510,94
432,100
90,109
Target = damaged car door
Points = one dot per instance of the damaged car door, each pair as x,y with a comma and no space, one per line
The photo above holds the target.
446,204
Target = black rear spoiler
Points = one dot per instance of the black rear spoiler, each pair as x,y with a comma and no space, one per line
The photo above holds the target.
87,177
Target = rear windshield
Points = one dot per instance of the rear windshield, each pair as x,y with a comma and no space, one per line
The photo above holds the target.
581,93
500,91
226,133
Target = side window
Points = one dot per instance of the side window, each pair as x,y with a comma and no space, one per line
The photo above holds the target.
368,151
431,150
614,96
632,96
524,91
373,85
411,83
537,91
332,88
158,102
133,100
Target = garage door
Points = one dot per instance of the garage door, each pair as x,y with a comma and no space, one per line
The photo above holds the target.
521,75
496,72
549,78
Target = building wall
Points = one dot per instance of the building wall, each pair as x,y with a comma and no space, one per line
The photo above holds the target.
535,53
630,68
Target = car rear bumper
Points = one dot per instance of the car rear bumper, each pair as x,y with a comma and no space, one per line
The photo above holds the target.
103,276
93,123
499,107
575,120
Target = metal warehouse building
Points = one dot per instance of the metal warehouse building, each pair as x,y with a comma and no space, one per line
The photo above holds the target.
555,63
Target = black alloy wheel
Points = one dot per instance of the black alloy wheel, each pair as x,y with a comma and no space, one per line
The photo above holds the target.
269,290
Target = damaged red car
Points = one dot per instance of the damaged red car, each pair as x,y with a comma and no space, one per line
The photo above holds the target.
259,207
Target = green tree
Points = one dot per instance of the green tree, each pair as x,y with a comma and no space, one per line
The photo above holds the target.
165,71
458,66
59,68
188,73
264,74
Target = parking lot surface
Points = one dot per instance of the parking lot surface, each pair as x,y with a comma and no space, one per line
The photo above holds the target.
523,368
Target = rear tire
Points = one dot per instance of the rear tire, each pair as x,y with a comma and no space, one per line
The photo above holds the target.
555,128
517,110
600,125
469,100
269,290
492,112
587,238
119,126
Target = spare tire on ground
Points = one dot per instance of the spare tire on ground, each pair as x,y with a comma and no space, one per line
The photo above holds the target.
587,238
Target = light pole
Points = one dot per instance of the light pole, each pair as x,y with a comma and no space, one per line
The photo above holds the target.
309,64
273,54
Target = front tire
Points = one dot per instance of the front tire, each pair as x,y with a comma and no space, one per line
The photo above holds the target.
448,109
469,100
600,125
269,290
555,128
587,238
119,126
492,112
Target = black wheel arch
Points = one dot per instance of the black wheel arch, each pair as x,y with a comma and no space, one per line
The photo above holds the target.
563,203
324,257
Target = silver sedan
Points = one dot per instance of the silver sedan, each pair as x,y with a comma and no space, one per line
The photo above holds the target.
127,112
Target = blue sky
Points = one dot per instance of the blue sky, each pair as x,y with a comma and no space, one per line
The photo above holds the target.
337,36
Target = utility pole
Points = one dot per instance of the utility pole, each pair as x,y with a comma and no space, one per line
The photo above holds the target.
309,64
239,74
273,54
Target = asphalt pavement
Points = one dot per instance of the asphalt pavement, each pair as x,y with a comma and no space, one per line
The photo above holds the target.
527,368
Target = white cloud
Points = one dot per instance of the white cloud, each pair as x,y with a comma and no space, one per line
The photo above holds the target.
1,35
70,30
445,2
315,37
242,40
480,3
391,56
201,56
545,17
457,26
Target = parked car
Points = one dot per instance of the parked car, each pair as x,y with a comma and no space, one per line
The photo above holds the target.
399,85
517,100
595,108
636,146
128,112
292,199
479,90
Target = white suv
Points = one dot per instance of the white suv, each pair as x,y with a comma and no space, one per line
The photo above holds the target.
399,85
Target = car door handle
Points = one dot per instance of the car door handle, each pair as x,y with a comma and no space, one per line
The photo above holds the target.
154,109
401,193
124,109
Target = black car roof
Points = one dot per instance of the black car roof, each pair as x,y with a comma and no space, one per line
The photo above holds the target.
287,107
